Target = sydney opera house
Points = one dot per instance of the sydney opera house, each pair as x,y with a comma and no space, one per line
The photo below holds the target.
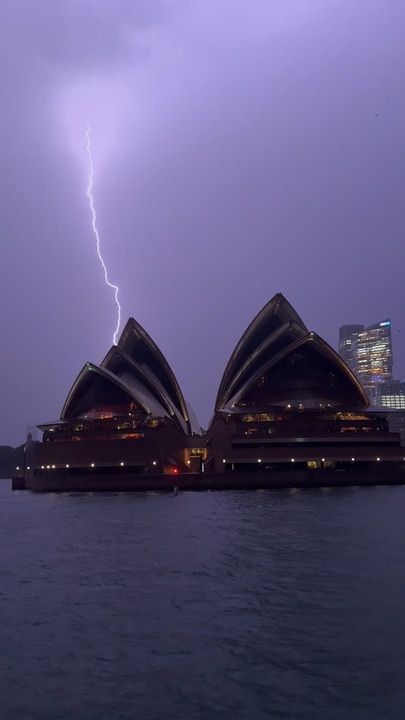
288,410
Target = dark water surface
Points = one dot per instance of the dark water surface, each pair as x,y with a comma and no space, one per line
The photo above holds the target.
280,604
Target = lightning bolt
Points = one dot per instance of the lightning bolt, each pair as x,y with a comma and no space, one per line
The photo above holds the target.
97,236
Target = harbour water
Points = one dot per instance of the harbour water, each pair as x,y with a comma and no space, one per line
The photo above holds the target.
203,606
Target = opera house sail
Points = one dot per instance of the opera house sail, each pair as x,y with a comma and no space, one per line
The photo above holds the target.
287,401
128,412
288,410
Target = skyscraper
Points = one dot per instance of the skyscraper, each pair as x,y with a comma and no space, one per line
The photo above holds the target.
367,351
372,352
347,336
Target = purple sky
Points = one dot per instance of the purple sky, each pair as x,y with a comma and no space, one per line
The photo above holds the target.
241,148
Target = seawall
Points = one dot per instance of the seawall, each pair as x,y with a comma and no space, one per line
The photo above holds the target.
53,482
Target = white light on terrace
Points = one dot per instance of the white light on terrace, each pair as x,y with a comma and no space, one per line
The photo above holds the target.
352,459
122,464
48,467
188,462
67,466
292,459
28,467
224,461
17,468
53,467
42,467
259,459
378,459
154,462
92,465
323,459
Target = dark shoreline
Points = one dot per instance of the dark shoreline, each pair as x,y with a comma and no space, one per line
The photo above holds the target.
208,481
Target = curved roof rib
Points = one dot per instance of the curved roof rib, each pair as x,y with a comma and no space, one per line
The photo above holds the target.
123,365
274,315
195,426
307,372
270,347
97,386
136,343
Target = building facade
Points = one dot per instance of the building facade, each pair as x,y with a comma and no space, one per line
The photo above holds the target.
372,350
368,351
391,396
347,338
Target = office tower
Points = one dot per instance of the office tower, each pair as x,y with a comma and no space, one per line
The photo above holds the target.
372,354
367,351
347,336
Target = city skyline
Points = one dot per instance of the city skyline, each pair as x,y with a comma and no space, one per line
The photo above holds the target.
369,354
236,155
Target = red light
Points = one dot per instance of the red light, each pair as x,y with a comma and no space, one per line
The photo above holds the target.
175,471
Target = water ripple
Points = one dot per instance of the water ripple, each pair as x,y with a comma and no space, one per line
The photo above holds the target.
220,605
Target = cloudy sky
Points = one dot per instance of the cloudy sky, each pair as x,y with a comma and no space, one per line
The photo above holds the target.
240,147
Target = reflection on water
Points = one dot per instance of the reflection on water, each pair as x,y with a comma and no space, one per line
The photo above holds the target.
283,604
